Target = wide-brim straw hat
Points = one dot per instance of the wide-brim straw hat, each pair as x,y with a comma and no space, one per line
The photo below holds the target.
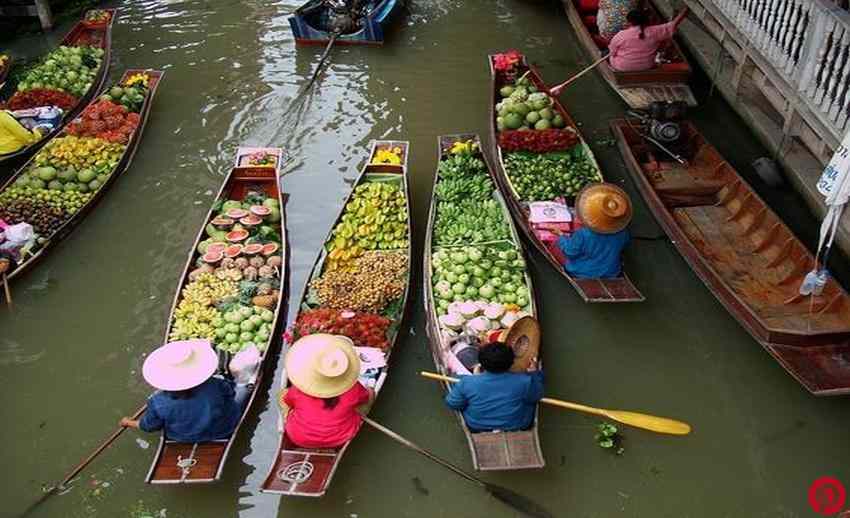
604,208
180,365
323,365
524,338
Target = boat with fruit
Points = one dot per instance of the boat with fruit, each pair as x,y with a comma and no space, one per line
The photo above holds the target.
541,163
745,254
55,189
358,287
231,293
314,22
666,82
69,77
475,283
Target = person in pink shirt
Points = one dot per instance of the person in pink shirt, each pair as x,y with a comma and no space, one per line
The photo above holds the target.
321,404
633,49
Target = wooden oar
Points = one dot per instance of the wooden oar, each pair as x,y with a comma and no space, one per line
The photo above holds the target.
325,55
504,495
647,422
557,89
81,466
7,290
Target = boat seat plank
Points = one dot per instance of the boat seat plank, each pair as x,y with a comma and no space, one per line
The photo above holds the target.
825,371
207,454
645,95
507,450
315,469
749,274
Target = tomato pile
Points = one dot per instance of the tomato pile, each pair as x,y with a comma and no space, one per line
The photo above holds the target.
540,141
42,97
364,329
106,120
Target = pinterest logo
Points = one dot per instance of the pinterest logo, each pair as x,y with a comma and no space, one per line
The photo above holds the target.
827,496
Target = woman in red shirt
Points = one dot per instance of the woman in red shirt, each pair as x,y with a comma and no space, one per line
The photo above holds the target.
320,406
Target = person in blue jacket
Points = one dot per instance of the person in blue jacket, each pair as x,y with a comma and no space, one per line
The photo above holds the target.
594,251
497,399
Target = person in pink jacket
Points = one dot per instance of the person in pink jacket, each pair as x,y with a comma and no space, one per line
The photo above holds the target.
633,49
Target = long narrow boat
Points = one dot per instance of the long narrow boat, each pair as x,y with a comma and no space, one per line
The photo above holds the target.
489,450
312,23
666,82
251,183
618,289
80,35
298,471
746,256
70,220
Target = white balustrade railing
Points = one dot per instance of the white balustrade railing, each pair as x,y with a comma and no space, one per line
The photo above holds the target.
807,42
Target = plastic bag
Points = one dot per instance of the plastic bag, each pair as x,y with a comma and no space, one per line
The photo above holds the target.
244,365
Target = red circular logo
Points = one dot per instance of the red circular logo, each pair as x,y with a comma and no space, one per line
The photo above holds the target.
827,496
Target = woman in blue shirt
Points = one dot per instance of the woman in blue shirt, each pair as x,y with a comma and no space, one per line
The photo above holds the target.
497,399
191,404
594,251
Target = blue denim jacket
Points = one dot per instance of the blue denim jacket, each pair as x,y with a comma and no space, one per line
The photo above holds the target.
592,255
504,401
210,413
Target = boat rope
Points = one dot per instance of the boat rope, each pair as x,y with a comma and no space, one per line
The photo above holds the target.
187,464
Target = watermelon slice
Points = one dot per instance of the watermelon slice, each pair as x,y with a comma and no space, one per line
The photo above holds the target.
213,257
233,251
216,247
222,222
260,210
250,220
236,213
252,249
270,248
236,235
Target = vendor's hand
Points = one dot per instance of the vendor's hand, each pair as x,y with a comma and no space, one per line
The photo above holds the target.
126,422
4,265
532,365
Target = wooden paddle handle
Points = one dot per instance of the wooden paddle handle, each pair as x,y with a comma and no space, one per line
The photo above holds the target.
7,290
557,89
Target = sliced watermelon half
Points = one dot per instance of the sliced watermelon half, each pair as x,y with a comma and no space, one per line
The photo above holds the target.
250,220
270,248
252,249
236,235
260,210
213,257
222,222
236,213
233,251
216,247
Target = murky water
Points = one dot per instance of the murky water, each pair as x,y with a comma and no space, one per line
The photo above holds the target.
70,353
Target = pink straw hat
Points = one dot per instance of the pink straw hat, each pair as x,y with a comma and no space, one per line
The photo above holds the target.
180,365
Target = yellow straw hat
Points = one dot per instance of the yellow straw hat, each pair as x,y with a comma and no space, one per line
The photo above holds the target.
604,208
524,338
323,365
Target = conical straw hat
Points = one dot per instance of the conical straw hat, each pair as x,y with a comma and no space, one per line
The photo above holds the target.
180,365
524,338
604,208
323,365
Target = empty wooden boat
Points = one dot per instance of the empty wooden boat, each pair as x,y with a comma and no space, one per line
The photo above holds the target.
313,23
666,82
489,450
745,255
619,289
82,34
298,471
70,221
255,171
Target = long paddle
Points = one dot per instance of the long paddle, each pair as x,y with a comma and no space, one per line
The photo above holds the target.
7,290
647,422
557,89
81,466
325,55
504,495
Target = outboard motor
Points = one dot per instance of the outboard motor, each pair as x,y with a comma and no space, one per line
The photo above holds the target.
663,120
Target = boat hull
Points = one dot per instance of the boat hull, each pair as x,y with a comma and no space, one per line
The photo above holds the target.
750,261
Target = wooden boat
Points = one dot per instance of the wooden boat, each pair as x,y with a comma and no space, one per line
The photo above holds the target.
667,82
489,450
311,23
618,289
155,76
191,463
80,34
745,255
298,471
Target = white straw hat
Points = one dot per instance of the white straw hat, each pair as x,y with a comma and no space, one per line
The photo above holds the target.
180,365
323,365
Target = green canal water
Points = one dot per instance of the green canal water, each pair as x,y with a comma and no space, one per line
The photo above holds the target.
70,353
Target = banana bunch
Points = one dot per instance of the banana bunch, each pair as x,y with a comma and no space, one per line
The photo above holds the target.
207,289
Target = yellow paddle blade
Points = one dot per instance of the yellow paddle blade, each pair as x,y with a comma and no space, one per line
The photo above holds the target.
649,422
